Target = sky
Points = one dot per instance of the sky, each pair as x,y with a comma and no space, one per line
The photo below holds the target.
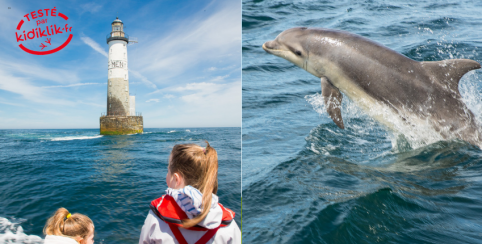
185,70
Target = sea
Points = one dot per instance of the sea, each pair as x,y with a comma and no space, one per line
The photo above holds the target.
307,181
111,179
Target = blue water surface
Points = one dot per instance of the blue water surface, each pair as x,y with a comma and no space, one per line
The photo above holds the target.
112,179
307,181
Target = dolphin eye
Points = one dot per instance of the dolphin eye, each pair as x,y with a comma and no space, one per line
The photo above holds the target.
298,53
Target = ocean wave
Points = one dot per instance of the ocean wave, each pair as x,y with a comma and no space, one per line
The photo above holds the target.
11,232
70,138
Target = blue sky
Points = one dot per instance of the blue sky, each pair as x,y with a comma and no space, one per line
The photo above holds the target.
185,70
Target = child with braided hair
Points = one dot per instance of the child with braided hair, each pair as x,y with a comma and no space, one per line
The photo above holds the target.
66,228
189,212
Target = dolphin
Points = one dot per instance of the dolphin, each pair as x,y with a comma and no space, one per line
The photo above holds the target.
407,96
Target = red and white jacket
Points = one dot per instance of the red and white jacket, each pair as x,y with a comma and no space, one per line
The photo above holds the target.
163,225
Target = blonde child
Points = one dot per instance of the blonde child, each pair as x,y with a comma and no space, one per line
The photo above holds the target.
189,212
66,228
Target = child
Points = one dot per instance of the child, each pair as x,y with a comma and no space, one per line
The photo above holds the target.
190,212
66,228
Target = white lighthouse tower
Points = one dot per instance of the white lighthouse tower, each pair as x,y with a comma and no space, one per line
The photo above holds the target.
120,117
118,76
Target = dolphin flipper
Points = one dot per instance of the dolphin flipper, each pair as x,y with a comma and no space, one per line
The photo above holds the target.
332,97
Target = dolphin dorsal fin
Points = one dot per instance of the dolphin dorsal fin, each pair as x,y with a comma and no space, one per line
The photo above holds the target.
332,98
450,71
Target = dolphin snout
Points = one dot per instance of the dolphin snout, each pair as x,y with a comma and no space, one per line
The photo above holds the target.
269,45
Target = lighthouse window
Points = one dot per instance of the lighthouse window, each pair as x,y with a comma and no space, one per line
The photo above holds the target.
126,99
110,83
125,78
110,94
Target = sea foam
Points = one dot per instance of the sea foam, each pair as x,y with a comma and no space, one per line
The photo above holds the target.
70,138
12,232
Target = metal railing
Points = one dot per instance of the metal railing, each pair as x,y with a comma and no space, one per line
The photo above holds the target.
109,37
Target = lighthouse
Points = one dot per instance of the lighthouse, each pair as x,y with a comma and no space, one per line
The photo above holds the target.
120,117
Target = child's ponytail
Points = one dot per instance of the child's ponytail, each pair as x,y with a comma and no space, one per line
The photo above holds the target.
209,185
62,223
199,167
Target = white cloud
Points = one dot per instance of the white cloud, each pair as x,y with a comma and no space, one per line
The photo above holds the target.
12,104
23,87
94,45
202,90
92,104
219,78
201,86
209,104
72,85
143,79
152,100
230,67
90,7
194,42
37,71
196,92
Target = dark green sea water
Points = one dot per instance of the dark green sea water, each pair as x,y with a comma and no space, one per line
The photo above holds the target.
112,179
307,181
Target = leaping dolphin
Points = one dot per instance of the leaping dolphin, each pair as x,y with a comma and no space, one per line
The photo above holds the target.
405,95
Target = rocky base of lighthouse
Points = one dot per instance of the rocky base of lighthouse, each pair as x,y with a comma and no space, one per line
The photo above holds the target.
121,125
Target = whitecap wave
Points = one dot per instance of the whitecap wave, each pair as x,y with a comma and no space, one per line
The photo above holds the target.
172,131
12,232
70,138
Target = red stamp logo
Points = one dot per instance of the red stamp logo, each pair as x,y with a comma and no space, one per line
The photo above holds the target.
42,33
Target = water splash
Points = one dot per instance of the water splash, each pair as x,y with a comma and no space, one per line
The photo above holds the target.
471,92
12,232
406,133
